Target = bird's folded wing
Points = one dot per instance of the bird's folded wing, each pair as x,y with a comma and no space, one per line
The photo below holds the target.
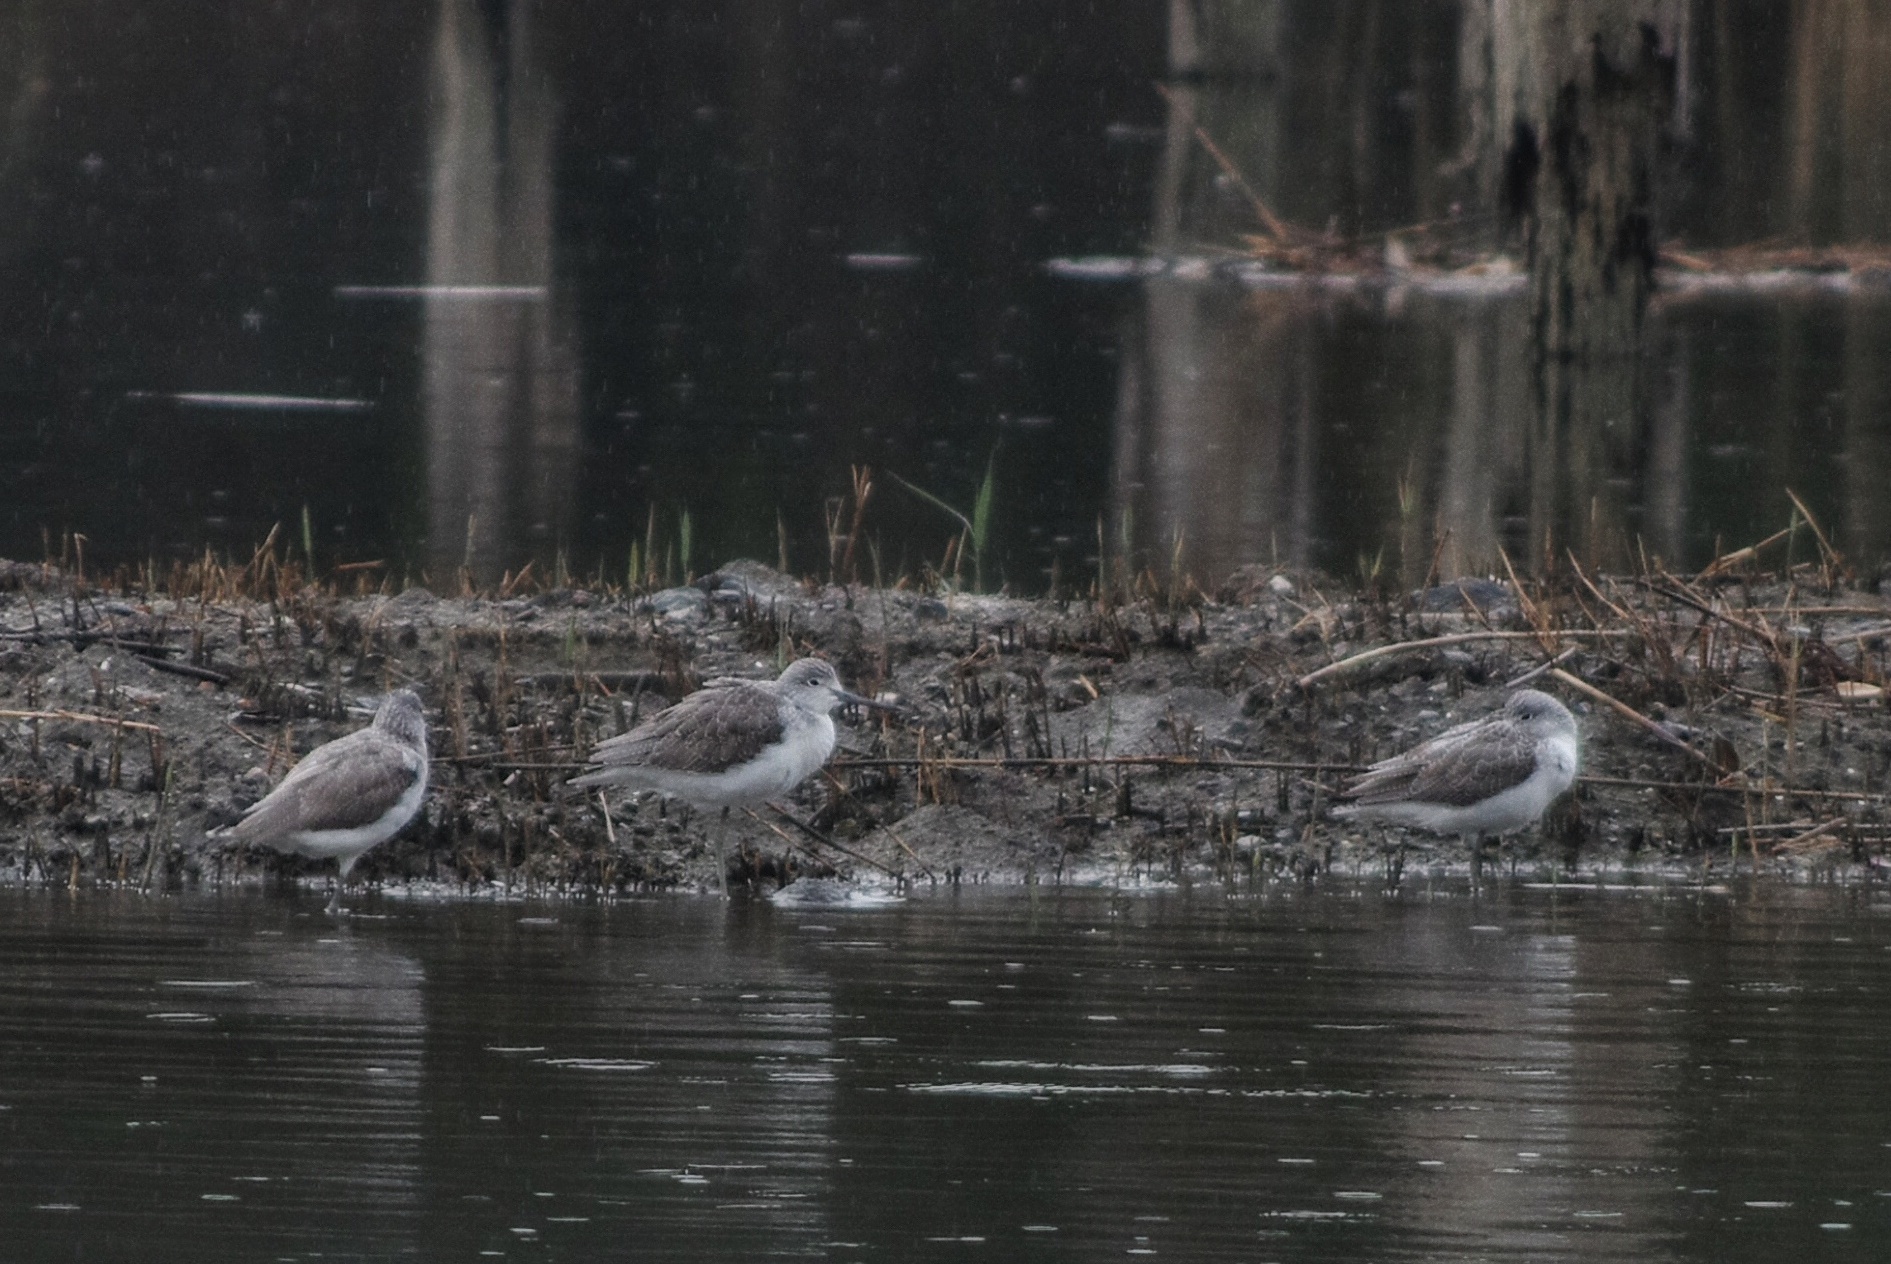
707,732
347,784
1468,768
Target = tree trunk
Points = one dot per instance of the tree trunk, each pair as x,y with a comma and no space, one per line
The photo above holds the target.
1583,90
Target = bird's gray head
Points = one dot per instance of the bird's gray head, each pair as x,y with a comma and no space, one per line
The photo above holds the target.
813,685
1540,711
402,717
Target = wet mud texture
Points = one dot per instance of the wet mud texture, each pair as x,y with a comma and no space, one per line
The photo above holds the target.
1139,740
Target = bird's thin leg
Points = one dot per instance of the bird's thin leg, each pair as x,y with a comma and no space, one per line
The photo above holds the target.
341,880
610,831
722,854
1395,865
1477,860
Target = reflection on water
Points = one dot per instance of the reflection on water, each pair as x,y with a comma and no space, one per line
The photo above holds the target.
175,1077
1539,1075
500,385
569,272
1386,429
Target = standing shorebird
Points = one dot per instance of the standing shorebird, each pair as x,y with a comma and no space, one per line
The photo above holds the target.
347,795
732,743
1490,776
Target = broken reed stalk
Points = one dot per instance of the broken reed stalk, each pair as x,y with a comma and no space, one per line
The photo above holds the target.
817,836
610,830
1804,841
1277,228
79,717
1792,708
863,492
1810,611
1545,634
1624,615
1727,561
1455,638
1831,561
1801,832
1090,761
1630,714
1700,787
1712,610
933,766
1517,682
907,848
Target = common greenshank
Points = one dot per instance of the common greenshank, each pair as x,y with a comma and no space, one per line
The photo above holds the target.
1493,775
348,795
732,743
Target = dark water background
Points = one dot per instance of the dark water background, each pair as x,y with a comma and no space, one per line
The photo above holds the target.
742,247
1331,1076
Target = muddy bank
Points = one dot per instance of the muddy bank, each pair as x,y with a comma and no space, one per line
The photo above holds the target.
1132,740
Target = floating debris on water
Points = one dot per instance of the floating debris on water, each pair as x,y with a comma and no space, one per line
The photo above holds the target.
597,1064
1104,267
260,403
473,293
870,261
826,893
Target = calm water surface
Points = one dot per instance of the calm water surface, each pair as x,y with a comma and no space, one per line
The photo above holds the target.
1653,1075
477,282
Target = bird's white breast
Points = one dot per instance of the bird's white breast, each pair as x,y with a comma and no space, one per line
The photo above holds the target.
346,843
1502,813
807,739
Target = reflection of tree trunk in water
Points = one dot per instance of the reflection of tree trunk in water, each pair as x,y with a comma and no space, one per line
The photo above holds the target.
1482,455
1840,111
1865,208
1206,401
1185,40
1212,428
1166,328
1473,173
1223,61
1840,108
1816,26
500,392
1867,446
1664,482
1583,91
1588,1084
23,64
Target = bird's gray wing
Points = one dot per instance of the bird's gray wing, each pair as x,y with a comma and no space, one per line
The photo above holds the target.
710,730
346,784
1459,767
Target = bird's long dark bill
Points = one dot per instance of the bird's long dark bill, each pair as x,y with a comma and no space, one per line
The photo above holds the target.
858,701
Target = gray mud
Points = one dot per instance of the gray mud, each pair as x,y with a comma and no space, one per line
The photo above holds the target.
1128,742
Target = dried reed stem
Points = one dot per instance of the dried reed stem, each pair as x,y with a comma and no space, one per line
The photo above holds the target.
1455,638
1631,714
78,717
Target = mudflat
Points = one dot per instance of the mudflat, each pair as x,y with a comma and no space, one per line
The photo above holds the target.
1729,722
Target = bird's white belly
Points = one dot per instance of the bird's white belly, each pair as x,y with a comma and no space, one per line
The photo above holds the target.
343,843
1502,813
771,774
